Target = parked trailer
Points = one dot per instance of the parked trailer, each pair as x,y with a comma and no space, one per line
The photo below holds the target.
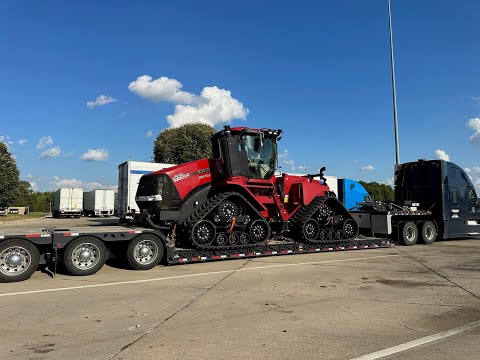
99,202
68,202
84,250
129,174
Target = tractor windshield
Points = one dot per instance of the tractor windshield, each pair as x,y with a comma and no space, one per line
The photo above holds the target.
262,155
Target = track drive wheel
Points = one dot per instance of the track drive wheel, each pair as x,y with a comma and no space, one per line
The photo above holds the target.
203,232
310,230
350,228
259,230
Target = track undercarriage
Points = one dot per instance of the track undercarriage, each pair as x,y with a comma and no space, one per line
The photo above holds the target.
229,220
324,219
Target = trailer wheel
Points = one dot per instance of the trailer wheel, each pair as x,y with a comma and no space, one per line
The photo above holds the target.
18,260
144,252
409,233
85,256
428,232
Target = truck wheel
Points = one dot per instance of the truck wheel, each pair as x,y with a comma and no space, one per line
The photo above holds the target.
428,232
409,233
18,260
85,256
144,252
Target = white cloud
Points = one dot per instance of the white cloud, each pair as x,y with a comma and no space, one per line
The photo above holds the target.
468,170
367,168
161,89
476,99
51,153
58,183
6,140
442,155
29,176
95,155
284,154
44,141
476,169
34,185
212,107
219,107
474,124
149,134
288,162
22,141
301,168
100,101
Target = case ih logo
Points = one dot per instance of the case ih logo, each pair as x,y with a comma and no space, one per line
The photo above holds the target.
180,176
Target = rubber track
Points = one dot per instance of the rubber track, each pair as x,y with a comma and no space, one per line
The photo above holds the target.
305,213
207,207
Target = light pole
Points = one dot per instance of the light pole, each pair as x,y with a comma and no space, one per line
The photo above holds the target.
394,92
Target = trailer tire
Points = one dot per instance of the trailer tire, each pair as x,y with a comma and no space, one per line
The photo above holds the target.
409,233
428,232
145,252
19,259
85,256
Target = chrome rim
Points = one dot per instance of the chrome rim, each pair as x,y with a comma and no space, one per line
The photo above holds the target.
14,260
145,252
85,256
429,233
410,233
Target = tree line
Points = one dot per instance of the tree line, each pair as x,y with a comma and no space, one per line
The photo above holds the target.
15,192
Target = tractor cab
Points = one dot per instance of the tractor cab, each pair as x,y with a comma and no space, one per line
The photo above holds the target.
246,152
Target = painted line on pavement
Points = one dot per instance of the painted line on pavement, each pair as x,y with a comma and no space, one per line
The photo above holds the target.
192,275
422,341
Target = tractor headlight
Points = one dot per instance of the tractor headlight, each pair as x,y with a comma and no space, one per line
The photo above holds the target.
149,198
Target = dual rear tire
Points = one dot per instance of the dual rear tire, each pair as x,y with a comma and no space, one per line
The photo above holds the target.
410,233
87,255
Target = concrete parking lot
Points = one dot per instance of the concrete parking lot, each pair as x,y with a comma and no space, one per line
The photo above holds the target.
341,305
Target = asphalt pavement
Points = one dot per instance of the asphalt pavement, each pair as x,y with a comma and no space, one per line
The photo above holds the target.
405,302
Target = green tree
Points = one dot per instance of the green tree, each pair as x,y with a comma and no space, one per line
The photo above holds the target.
180,145
24,194
9,177
379,192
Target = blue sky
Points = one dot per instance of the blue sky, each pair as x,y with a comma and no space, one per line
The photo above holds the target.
319,70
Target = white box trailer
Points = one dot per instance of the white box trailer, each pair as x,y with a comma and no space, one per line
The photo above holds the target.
68,202
99,202
129,174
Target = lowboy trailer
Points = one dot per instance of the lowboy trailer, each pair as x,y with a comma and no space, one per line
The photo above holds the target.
84,250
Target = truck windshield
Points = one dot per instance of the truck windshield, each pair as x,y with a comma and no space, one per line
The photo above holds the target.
261,154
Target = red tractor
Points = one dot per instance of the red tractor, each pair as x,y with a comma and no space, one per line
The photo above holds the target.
234,199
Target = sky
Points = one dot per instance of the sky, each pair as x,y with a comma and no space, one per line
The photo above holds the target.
85,86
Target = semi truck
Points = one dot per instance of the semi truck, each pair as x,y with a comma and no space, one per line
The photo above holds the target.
233,206
99,202
432,198
68,201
